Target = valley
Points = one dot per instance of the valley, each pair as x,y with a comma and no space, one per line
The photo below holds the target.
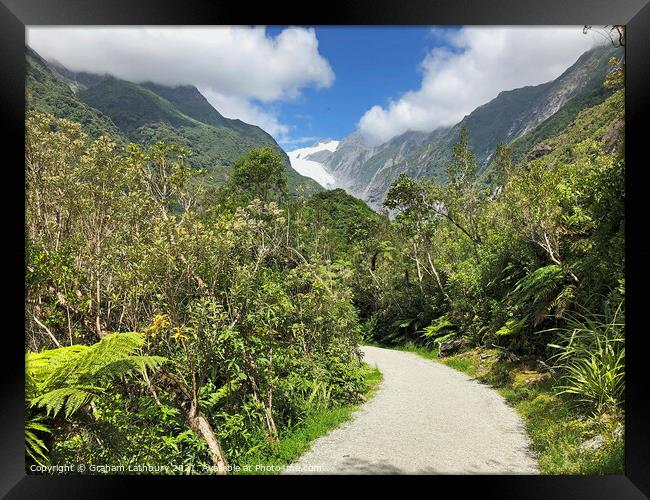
200,292
521,116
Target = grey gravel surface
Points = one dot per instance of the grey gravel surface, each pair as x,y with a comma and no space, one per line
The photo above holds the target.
426,418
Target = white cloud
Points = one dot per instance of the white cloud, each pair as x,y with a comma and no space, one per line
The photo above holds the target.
234,67
474,65
243,109
292,141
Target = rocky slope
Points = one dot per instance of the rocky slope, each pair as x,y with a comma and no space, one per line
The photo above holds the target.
528,112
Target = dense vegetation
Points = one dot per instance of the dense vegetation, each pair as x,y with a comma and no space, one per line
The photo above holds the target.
236,327
513,263
45,93
167,323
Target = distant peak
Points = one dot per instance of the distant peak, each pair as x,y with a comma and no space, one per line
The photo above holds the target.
322,145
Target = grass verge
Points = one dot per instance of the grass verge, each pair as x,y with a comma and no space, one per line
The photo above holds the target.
555,426
297,440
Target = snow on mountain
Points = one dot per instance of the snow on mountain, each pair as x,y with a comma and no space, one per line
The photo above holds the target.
311,168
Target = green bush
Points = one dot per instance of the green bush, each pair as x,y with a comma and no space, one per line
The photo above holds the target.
591,358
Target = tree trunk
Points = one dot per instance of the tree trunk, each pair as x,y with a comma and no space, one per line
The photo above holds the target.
417,266
268,409
435,273
196,418
200,425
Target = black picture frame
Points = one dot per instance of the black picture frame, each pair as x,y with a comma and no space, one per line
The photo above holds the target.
16,14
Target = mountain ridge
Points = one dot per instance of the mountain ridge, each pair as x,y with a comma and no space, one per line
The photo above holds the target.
367,172
146,112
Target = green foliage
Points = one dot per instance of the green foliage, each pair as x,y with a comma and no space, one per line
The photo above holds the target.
258,327
438,329
511,264
47,93
591,354
535,295
616,77
35,447
511,327
130,429
549,260
557,122
259,174
68,378
264,459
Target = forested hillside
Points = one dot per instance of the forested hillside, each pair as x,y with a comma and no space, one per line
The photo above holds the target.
43,92
170,324
147,113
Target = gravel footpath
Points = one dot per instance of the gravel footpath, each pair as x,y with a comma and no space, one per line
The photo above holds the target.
426,418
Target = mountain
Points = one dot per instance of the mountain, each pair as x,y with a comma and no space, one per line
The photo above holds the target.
309,161
354,163
145,113
523,117
49,92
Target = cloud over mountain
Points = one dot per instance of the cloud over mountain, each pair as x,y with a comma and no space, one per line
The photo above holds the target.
471,68
239,69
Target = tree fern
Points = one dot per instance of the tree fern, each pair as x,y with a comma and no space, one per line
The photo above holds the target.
541,291
67,378
539,284
438,326
35,448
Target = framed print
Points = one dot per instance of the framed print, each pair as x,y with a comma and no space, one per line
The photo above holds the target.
370,238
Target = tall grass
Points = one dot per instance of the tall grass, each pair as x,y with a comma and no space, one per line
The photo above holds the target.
591,360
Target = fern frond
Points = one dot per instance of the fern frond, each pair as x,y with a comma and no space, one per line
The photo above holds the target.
563,300
113,347
511,326
70,398
69,377
41,365
130,365
537,285
437,326
35,448
542,291
82,365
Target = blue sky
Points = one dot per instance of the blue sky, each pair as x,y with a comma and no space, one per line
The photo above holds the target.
392,79
304,83
371,65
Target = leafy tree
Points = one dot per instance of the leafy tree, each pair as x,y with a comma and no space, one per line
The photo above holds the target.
259,174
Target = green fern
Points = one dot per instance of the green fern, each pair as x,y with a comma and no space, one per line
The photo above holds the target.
68,378
537,285
511,327
35,448
438,326
564,300
541,291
